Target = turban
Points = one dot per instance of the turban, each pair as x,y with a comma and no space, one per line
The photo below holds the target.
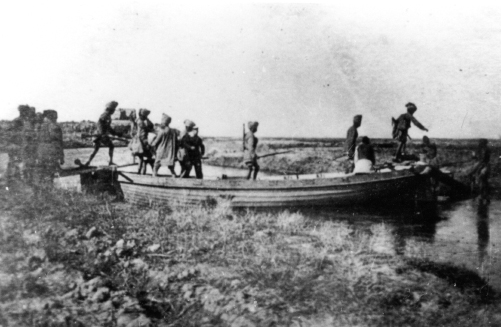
133,114
252,124
165,120
144,112
111,105
23,108
50,114
189,123
411,107
357,119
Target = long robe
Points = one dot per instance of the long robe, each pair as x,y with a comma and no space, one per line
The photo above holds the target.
165,144
139,144
351,141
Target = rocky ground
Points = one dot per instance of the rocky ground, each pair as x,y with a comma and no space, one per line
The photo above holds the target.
69,259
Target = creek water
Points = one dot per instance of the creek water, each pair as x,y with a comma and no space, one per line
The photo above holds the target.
464,233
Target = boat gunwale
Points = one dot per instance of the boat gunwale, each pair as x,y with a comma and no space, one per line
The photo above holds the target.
278,187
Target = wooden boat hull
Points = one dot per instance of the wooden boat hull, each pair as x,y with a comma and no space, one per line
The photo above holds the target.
370,188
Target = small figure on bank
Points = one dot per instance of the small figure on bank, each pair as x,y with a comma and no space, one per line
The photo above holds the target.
401,129
195,150
250,146
15,136
50,152
104,130
482,169
166,146
351,142
365,158
143,149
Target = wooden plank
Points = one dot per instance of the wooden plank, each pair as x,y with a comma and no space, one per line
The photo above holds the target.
84,170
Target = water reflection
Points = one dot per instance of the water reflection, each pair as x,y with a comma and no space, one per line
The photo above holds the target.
405,221
482,231
465,233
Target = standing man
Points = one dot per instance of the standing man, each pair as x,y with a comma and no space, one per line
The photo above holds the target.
15,136
50,152
103,131
195,150
250,146
401,129
29,142
351,142
482,169
165,144
144,151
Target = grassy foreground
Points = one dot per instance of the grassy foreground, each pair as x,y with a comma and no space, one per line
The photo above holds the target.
77,260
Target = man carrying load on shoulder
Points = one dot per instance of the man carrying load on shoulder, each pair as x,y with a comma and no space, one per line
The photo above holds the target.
401,127
104,129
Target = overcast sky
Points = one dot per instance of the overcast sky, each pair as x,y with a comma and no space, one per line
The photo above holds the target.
300,70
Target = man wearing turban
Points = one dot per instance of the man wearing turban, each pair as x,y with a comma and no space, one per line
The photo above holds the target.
250,145
15,143
194,150
104,129
401,129
29,146
50,152
351,141
143,150
482,169
166,146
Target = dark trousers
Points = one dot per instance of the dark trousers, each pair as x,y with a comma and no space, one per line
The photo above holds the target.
187,166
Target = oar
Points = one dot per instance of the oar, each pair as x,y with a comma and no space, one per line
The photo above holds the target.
452,163
84,136
340,157
272,154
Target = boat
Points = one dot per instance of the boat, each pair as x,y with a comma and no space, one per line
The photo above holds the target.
270,191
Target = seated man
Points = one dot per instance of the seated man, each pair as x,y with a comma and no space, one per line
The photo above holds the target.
429,156
364,157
